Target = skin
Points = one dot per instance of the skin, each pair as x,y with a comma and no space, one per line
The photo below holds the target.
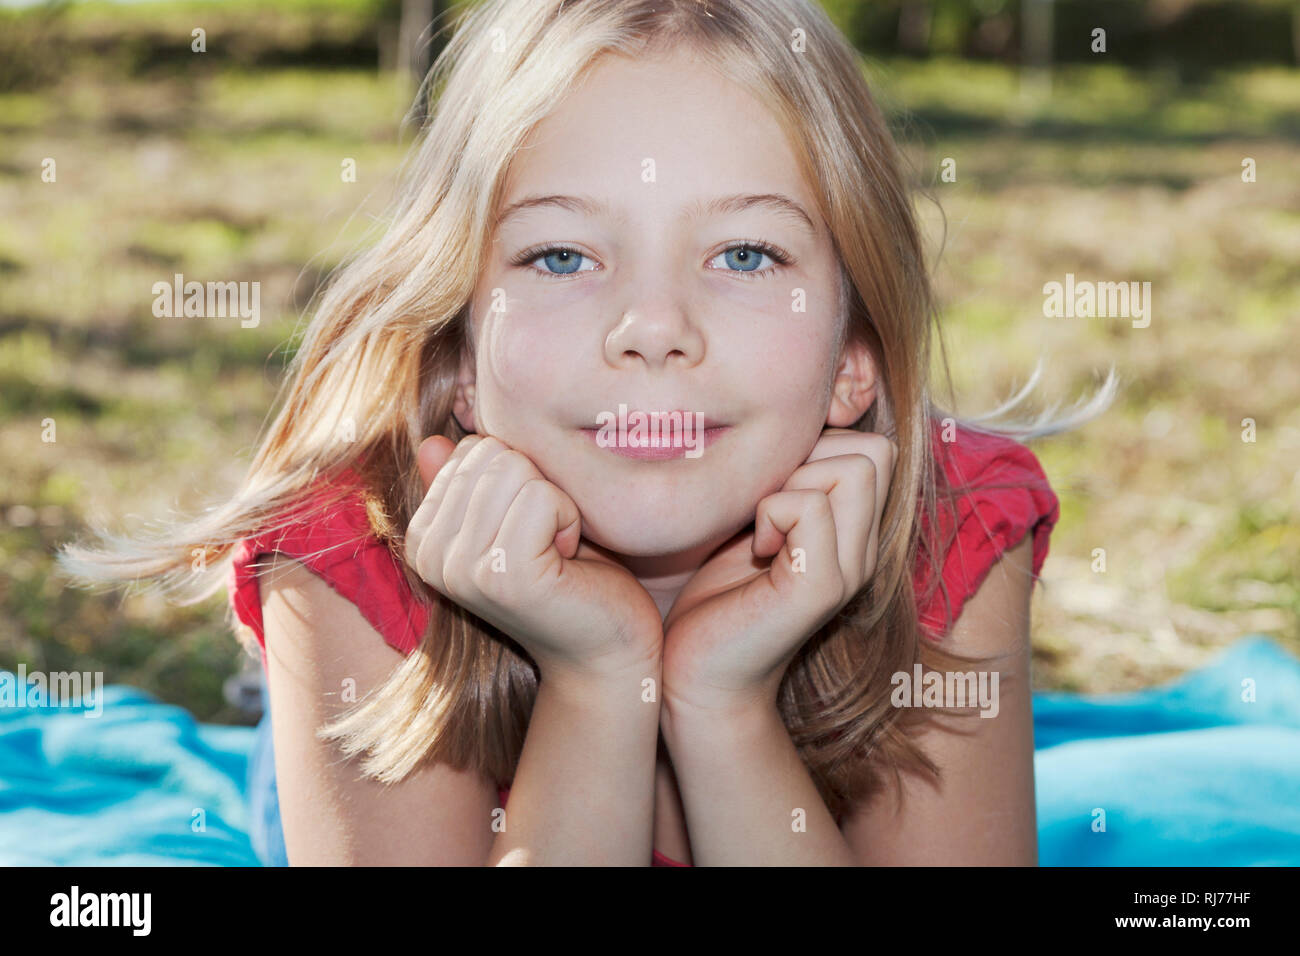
658,315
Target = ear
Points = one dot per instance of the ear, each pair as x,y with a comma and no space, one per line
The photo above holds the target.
854,389
463,405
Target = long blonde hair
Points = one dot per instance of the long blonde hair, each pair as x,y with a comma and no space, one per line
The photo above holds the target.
379,360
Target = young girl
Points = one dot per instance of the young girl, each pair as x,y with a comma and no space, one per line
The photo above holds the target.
498,630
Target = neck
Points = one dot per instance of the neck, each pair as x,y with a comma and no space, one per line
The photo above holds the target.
664,575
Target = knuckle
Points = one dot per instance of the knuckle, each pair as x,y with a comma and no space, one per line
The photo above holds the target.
460,478
886,448
426,569
454,577
447,588
509,464
522,462
476,452
494,447
535,491
497,469
466,447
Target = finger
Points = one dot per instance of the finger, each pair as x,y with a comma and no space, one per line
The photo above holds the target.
803,520
848,441
418,527
884,480
497,487
450,514
541,517
849,483
882,450
431,456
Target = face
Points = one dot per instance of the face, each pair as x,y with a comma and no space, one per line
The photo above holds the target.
652,298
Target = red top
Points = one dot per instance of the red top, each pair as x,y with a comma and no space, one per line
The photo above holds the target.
337,543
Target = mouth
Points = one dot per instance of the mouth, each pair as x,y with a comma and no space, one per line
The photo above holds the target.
657,436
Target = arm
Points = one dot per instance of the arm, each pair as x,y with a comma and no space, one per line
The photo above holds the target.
745,790
982,812
582,793
742,780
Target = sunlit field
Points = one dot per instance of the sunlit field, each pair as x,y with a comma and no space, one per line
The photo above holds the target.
223,167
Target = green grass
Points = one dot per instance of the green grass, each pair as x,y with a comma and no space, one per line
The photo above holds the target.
231,170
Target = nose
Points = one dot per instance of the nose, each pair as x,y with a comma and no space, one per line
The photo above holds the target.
654,334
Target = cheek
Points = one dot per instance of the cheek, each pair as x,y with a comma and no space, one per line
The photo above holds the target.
791,374
518,363
790,363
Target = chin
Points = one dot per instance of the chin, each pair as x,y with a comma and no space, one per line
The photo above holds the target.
643,533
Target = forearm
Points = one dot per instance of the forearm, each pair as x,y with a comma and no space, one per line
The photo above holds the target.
583,792
748,797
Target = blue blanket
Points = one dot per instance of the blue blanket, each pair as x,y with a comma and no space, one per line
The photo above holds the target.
1203,771
1189,773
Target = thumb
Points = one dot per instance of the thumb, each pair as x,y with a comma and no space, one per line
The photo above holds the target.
432,455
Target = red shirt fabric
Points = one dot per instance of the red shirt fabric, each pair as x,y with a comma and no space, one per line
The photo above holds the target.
337,543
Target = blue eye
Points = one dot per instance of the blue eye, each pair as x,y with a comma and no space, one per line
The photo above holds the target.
559,260
744,259
563,261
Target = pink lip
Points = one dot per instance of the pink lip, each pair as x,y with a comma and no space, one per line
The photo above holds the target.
686,416
677,449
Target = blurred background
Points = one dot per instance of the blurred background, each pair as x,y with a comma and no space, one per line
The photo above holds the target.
1122,165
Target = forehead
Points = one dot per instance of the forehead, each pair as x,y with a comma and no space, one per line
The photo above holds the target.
666,129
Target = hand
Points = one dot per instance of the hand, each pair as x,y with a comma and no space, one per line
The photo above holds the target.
742,617
496,537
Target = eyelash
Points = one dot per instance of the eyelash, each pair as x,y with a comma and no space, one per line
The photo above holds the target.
779,256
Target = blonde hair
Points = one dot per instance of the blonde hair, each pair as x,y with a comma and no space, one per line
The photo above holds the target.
383,349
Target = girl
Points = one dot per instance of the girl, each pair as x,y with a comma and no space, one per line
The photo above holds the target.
494,632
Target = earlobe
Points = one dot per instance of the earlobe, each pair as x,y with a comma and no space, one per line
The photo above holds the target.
463,406
854,391
461,411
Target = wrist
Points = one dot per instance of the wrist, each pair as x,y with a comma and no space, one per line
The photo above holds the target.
635,679
682,712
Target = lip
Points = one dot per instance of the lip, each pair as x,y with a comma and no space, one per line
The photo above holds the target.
709,423
677,448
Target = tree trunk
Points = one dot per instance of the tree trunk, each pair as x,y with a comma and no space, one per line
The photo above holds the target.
415,44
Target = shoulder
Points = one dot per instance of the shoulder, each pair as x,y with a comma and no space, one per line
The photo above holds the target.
994,495
980,810
331,534
316,634
322,657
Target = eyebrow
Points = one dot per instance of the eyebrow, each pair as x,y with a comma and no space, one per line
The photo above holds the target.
722,205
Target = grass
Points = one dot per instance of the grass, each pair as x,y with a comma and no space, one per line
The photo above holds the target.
231,169
1123,177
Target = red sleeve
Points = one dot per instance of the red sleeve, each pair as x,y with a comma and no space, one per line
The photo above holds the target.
988,520
336,542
